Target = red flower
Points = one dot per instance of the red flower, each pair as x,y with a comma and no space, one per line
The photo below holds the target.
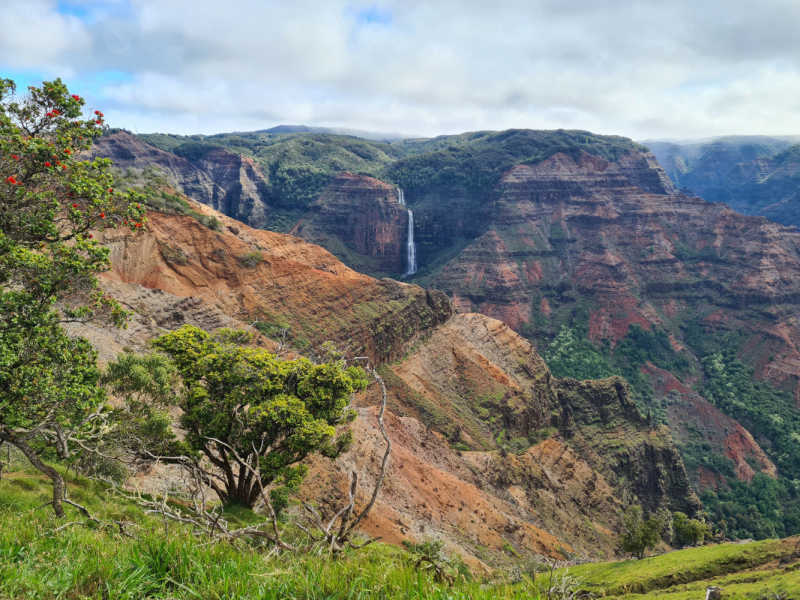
110,190
138,224
74,206
67,151
64,167
11,180
124,222
99,122
102,215
47,164
90,236
76,98
97,112
15,157
55,112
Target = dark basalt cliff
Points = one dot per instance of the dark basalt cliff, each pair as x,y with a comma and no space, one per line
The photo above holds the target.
129,152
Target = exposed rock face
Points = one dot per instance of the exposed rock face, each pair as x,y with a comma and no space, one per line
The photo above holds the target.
475,380
365,215
245,183
130,152
295,286
693,419
564,232
232,184
465,378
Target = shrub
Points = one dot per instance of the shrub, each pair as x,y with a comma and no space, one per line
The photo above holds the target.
251,259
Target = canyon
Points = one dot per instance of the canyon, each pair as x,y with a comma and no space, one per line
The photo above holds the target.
541,231
459,387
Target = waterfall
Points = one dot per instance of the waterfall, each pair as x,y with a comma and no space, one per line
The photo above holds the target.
411,248
401,197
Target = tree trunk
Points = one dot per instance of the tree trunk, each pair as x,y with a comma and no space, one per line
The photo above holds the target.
53,474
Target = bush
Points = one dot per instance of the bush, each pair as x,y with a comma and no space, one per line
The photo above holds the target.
251,259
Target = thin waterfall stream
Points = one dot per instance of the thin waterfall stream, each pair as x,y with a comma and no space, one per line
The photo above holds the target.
411,247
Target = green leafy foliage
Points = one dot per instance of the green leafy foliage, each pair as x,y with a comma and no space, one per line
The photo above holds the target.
765,508
640,534
475,161
572,354
90,562
243,405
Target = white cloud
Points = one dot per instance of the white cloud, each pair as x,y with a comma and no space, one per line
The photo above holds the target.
632,67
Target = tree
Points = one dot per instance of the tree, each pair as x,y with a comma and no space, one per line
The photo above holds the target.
50,203
640,535
689,531
248,412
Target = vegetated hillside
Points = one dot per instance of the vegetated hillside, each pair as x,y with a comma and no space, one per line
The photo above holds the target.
755,175
491,452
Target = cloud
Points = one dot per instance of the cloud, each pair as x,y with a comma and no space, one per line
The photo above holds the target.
639,68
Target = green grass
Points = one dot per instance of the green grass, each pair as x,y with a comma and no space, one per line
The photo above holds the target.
94,562
686,573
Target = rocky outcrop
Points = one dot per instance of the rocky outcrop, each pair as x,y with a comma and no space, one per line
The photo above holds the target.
245,183
361,220
543,473
475,383
230,183
694,419
130,152
566,232
601,420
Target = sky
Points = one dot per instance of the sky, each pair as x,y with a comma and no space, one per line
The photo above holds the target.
667,69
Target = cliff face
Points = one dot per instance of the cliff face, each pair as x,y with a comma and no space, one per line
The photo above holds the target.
692,419
130,152
232,184
245,183
567,235
579,451
361,220
755,175
278,280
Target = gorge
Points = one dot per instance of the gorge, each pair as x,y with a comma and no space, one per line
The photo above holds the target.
571,238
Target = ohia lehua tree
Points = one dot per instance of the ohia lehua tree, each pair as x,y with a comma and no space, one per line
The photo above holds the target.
52,204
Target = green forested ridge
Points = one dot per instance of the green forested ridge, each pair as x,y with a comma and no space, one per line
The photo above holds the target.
300,165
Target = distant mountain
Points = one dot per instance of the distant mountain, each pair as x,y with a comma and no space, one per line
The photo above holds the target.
755,175
359,133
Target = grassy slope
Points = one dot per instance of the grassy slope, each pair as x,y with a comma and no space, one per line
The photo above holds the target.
743,570
79,562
